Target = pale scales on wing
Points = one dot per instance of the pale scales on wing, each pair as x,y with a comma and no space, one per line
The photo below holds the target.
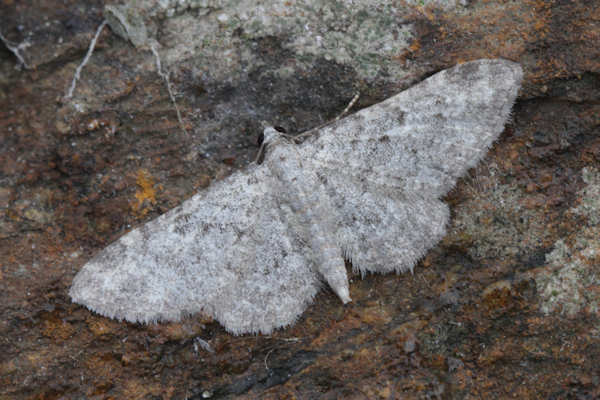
253,249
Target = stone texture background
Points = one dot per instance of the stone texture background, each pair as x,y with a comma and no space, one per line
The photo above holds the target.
508,305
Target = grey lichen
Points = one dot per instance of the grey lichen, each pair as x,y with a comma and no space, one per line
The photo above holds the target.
494,222
220,36
127,23
574,268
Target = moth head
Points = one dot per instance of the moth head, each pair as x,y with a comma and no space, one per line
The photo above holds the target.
272,134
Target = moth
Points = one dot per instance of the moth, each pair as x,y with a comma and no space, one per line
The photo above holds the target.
254,249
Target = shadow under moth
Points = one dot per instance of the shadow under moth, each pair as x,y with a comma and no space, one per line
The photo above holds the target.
254,249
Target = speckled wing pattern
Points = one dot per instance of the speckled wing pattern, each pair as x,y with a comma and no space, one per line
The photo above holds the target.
388,165
226,252
253,249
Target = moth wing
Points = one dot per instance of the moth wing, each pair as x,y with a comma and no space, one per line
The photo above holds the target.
386,166
424,138
381,229
225,252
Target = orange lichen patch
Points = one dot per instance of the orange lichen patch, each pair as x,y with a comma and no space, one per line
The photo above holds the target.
376,390
498,295
101,326
350,321
495,35
145,195
507,350
543,16
426,262
135,357
405,335
410,326
100,388
387,391
511,156
438,361
55,328
103,365
366,355
414,46
34,359
450,280
186,329
138,389
373,315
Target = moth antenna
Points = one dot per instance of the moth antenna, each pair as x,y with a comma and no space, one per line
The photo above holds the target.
316,128
261,152
348,107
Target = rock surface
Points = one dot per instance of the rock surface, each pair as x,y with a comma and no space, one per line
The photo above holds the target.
507,304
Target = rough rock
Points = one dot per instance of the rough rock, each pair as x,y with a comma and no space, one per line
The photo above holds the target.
506,305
